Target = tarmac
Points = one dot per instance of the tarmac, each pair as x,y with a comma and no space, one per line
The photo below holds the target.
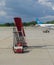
40,47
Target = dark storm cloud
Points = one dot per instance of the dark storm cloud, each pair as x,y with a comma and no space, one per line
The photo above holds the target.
26,9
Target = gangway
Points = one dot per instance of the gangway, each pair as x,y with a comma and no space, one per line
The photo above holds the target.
19,43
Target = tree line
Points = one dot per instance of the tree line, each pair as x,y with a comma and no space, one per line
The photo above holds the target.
26,23
50,22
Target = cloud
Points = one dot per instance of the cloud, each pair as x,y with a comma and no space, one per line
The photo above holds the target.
47,18
2,3
2,13
47,3
2,6
26,9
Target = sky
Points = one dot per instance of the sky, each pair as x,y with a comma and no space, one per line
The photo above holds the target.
28,10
